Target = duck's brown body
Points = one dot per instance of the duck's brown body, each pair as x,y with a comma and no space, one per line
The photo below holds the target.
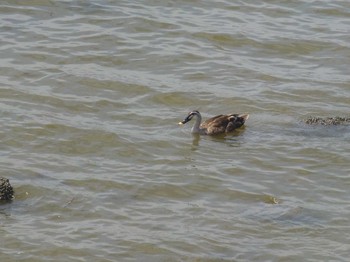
216,125
223,123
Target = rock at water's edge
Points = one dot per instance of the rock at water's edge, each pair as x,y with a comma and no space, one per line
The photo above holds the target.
6,190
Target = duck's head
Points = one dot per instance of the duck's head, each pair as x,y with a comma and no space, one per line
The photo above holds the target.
189,117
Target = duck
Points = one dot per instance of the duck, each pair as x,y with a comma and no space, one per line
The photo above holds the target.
220,124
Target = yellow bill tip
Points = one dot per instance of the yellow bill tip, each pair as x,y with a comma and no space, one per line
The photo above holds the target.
180,123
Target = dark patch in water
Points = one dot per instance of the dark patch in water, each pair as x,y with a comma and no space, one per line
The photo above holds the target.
328,121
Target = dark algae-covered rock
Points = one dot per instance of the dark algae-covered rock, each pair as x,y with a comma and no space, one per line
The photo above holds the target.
328,121
6,190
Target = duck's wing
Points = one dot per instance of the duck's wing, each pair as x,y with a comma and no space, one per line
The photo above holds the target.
211,121
216,124
236,121
224,123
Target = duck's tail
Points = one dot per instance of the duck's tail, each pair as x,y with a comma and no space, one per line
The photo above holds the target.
244,116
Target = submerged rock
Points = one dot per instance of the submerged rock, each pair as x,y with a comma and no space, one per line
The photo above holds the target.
328,121
6,190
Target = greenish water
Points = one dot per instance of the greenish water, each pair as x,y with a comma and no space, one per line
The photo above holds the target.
90,97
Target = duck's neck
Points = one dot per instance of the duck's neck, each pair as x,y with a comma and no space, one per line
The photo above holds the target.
196,126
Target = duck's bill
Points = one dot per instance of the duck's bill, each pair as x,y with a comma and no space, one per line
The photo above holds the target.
184,121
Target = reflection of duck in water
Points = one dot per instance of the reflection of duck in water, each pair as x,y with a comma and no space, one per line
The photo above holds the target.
216,125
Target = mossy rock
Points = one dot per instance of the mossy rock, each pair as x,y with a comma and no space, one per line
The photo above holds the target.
328,121
6,190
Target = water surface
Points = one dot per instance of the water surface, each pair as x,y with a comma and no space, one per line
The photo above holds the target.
90,97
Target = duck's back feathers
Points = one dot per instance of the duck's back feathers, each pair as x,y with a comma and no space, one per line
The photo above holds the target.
224,123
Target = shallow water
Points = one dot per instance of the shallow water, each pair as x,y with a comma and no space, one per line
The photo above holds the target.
90,97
